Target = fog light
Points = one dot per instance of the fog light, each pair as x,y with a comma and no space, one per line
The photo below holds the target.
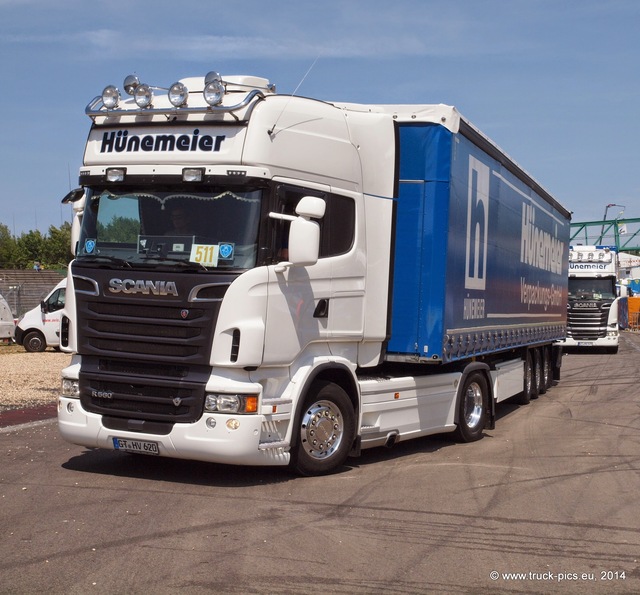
70,407
211,422
233,424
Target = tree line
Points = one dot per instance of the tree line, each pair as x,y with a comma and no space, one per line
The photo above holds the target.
49,251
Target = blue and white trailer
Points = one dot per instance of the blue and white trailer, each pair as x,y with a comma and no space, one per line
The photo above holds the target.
346,276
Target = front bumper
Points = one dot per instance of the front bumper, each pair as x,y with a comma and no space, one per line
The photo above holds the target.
196,441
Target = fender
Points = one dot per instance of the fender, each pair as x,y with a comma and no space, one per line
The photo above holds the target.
337,372
473,367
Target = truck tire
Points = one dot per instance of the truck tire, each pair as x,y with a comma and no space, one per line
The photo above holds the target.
324,431
34,341
537,373
472,408
528,382
547,372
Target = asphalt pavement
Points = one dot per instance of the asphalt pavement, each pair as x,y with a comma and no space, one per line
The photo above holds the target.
548,502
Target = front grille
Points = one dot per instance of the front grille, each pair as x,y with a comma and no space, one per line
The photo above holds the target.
145,357
587,324
145,391
166,328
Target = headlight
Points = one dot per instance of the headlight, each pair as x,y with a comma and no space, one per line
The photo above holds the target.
222,403
70,388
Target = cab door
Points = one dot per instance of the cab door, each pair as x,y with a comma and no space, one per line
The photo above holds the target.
320,302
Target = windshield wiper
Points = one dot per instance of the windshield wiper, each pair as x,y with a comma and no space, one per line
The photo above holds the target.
185,264
105,258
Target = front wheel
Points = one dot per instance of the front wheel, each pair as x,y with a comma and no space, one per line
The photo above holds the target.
324,430
34,341
472,408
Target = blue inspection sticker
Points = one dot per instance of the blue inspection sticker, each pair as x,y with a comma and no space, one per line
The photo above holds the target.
225,251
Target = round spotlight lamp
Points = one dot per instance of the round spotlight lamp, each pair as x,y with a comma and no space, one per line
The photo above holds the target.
143,95
213,89
130,84
178,94
110,97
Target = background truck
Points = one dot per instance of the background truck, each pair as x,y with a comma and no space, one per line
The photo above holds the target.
272,280
39,328
592,307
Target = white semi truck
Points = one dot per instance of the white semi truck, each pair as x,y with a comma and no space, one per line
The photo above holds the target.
592,307
266,279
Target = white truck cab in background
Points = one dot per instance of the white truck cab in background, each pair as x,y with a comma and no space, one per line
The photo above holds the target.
39,328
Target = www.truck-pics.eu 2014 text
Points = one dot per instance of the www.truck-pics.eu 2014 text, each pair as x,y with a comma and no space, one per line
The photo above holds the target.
264,279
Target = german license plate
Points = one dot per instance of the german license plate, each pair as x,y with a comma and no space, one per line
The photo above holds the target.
141,446
585,343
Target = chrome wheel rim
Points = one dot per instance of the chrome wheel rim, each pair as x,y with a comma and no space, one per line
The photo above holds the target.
322,429
473,405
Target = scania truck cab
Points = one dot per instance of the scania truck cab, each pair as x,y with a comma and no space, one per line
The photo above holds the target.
592,307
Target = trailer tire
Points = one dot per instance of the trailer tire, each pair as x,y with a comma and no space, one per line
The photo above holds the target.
537,373
547,372
34,342
528,382
472,408
324,430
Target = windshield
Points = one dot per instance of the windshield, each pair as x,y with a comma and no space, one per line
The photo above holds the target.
591,289
205,229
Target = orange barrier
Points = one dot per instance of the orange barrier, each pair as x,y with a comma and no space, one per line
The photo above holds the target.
634,313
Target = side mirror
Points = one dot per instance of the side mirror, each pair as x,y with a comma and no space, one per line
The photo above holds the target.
73,196
304,234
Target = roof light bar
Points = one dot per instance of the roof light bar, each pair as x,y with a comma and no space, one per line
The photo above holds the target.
213,93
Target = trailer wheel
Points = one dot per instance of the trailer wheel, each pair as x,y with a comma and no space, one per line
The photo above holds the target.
34,341
324,430
547,373
537,373
472,408
528,382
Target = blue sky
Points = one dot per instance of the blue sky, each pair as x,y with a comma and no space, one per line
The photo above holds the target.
555,83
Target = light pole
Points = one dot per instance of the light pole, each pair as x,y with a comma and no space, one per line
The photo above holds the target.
606,211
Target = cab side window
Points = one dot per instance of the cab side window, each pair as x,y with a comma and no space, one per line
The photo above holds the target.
337,227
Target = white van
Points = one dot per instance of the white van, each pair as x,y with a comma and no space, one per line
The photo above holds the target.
7,325
40,328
